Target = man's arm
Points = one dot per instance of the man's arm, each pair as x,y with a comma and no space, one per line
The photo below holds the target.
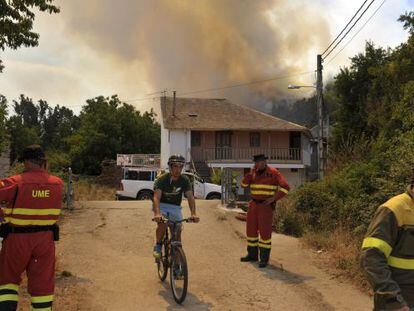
191,202
377,246
247,179
156,203
283,188
8,191
188,191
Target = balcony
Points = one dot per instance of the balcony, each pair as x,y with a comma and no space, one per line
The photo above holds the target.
228,154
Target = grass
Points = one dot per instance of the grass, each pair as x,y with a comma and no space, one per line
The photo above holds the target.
87,190
340,254
338,250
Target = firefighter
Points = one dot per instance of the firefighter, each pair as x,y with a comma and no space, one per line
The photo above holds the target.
31,205
267,186
388,253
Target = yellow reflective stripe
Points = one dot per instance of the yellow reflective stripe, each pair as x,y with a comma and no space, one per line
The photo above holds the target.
252,238
10,286
401,263
244,185
252,244
379,244
258,186
262,192
266,241
284,190
30,222
32,211
9,297
265,245
40,299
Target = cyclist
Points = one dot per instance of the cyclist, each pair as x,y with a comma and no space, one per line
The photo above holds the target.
168,192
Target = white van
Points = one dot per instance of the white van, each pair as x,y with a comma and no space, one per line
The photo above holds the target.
138,183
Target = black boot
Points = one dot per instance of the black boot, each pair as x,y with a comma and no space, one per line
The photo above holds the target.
264,257
252,254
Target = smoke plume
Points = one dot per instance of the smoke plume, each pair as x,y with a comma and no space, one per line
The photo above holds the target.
187,45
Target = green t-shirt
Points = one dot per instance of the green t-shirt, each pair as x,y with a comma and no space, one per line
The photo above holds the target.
172,190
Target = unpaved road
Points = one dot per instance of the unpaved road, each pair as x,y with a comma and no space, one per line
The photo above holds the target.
106,251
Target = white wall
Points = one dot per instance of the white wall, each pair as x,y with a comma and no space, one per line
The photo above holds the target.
179,142
165,145
174,142
294,179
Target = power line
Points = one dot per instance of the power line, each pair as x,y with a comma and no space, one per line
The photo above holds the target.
359,30
243,84
345,27
349,30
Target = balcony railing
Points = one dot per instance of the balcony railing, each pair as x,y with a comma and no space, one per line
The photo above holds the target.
228,154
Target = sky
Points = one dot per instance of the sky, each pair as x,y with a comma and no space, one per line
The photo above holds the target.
137,48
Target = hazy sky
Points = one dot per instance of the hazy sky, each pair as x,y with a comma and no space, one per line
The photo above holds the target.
133,48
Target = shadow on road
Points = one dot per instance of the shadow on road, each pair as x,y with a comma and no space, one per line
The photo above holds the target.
275,271
191,302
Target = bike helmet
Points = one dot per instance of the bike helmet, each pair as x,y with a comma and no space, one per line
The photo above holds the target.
176,159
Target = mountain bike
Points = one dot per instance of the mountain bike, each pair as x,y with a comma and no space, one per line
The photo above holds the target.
173,258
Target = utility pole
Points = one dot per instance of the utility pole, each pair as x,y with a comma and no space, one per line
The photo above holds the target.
319,96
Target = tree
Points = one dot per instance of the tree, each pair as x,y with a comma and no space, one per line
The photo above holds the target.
42,124
16,22
108,127
3,119
23,126
408,21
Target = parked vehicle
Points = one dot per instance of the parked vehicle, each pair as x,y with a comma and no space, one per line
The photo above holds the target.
138,183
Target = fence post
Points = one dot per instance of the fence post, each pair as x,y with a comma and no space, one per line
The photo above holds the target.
69,195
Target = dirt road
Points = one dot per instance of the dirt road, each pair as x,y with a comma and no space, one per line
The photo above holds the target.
106,253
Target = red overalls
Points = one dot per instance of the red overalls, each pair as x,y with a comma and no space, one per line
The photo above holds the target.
30,201
263,185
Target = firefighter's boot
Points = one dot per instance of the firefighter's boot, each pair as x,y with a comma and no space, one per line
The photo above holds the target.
252,254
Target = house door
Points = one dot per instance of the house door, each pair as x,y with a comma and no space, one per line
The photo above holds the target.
223,145
295,145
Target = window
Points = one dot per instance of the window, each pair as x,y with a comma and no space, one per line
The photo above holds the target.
195,139
294,170
139,175
254,140
145,175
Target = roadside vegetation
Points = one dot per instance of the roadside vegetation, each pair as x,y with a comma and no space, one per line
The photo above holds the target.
371,158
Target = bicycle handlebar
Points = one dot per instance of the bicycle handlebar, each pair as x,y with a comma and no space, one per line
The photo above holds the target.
166,220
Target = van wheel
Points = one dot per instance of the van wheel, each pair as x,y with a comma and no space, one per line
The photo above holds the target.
144,195
214,196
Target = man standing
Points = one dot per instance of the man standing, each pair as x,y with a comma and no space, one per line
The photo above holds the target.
31,204
388,253
267,186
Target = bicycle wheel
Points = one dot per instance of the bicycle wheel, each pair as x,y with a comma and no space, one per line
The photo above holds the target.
162,263
179,275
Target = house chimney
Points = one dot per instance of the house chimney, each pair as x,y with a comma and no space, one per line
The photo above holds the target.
174,104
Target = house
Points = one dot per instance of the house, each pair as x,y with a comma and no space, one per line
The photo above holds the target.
216,133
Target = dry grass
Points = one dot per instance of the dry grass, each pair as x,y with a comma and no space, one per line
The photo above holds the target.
89,191
339,253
